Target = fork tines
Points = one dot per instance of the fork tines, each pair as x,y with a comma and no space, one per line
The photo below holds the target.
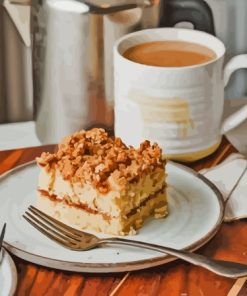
54,229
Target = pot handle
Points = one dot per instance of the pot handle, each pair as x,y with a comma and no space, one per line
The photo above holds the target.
237,62
197,12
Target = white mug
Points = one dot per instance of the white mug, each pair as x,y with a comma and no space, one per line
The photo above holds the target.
180,108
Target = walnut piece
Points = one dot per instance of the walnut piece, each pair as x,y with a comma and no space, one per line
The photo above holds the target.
92,156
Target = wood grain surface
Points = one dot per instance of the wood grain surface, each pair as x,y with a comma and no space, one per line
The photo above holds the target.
175,279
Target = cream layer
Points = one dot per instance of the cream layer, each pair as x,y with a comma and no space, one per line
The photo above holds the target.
121,225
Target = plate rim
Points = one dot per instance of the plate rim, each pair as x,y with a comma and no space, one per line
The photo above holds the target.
120,266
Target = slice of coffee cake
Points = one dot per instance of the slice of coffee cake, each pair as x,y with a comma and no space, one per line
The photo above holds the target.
95,182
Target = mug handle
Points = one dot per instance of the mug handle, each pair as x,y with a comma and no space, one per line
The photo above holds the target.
237,62
197,12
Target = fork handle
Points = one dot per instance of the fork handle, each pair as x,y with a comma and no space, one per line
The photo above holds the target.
220,267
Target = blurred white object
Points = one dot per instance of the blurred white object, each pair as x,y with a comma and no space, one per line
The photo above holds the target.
18,135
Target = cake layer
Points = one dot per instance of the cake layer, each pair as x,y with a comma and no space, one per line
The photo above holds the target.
83,219
115,201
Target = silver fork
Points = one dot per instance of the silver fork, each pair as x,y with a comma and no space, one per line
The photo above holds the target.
81,241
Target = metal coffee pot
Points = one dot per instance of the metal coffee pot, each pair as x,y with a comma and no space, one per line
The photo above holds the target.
72,44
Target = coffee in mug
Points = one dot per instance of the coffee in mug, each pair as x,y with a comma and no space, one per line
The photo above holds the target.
169,53
179,107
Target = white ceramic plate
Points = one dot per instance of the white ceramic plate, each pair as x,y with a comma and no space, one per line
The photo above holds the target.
8,276
195,215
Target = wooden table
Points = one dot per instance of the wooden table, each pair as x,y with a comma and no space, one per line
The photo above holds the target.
173,279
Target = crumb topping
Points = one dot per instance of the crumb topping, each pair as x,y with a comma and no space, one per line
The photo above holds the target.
92,156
